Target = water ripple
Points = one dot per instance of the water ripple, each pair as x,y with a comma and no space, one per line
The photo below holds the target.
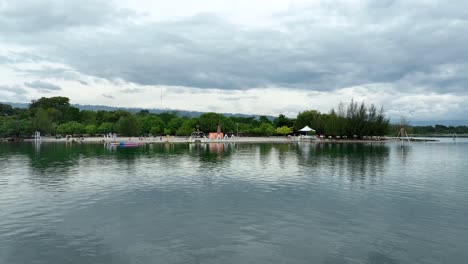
236,203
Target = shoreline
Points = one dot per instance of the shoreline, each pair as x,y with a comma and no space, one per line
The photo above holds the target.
174,139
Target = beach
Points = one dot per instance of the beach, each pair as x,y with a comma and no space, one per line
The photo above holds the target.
175,139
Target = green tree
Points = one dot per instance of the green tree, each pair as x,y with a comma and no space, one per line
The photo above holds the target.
88,117
105,128
175,124
209,122
58,107
6,110
41,121
284,130
129,126
311,118
91,129
15,127
143,113
71,128
264,119
57,102
152,124
282,120
264,129
156,130
186,128
166,117
55,115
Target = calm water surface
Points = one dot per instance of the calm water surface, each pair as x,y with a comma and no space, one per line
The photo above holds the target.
234,203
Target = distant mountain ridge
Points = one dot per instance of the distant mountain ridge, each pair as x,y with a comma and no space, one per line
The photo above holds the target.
454,123
138,109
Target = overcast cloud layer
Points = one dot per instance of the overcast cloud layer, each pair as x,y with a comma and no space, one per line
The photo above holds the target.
263,57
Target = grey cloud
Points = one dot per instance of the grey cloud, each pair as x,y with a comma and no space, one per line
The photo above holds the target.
30,16
132,90
5,60
108,96
50,72
13,93
20,57
83,82
239,98
15,89
42,86
189,90
336,45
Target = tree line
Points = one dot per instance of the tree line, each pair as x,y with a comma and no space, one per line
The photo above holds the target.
56,116
437,130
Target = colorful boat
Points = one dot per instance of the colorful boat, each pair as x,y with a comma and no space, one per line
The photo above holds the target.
126,144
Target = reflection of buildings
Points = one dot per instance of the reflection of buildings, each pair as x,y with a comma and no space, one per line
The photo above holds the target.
216,147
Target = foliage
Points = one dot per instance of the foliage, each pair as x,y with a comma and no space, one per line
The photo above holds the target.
439,130
106,128
46,113
209,122
128,126
311,118
265,129
282,120
6,110
186,128
284,130
71,128
56,102
11,127
152,124
91,129
42,122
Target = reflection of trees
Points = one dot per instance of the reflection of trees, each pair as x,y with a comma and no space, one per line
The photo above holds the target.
264,151
283,152
354,161
211,152
52,163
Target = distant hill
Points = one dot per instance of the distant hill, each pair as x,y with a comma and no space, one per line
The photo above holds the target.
454,123
136,109
16,105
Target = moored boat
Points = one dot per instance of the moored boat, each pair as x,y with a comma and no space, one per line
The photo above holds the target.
126,144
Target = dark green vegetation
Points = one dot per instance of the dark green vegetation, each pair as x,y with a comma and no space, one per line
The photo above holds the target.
438,130
55,115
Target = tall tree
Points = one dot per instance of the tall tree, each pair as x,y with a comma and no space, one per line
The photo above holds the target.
129,126
41,121
282,120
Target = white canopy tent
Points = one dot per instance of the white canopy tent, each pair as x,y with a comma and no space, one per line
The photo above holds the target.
307,129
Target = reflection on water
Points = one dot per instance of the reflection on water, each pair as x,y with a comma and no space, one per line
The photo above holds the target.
234,203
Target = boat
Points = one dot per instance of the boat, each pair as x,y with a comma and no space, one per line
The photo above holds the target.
197,137
126,144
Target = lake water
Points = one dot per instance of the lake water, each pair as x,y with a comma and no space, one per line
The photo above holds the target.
234,203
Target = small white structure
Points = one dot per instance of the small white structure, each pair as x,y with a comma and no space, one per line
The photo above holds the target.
307,129
37,136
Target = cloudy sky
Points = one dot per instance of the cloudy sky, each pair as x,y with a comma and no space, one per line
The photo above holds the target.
243,56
